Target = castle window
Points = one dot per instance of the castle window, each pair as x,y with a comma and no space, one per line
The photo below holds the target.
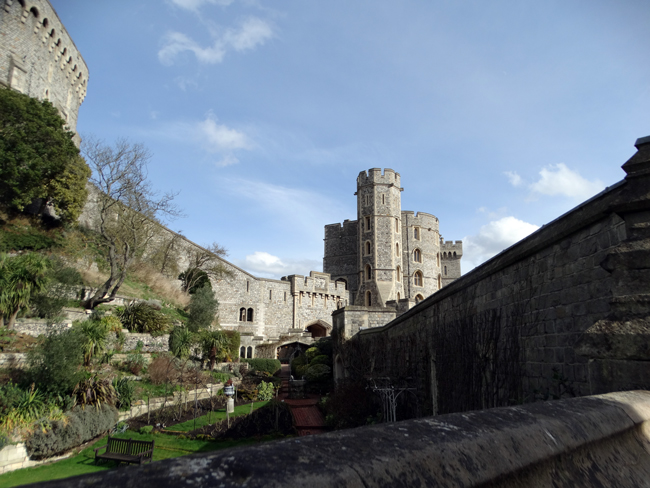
398,296
439,281
242,314
242,352
34,11
312,299
417,278
368,272
367,248
366,224
416,233
398,273
248,286
397,250
270,295
454,253
285,296
249,352
417,256
383,200
445,270
249,315
438,258
397,225
368,299
418,298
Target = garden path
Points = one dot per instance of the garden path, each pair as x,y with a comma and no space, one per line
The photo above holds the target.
307,417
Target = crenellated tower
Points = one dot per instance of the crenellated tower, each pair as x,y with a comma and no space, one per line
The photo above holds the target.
379,209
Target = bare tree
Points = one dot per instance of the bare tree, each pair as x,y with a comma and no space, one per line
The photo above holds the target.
204,263
128,211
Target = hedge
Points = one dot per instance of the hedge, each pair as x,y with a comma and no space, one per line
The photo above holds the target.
80,426
263,364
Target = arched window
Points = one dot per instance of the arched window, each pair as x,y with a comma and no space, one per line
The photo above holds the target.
242,314
368,272
417,278
454,253
397,225
398,296
366,225
445,270
367,248
242,352
417,256
418,298
398,272
249,315
368,299
249,352
34,11
416,233
397,249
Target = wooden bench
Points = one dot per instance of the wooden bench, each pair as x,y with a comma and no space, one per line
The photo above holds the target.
126,451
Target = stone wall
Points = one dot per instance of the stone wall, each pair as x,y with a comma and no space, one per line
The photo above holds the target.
537,321
594,441
38,57
14,456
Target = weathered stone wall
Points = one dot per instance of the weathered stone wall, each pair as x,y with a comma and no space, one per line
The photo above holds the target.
351,319
38,57
521,327
595,441
420,233
341,259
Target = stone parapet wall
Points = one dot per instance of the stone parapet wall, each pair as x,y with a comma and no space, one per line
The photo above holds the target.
509,330
594,441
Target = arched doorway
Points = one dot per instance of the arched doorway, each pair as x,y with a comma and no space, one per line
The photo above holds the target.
319,328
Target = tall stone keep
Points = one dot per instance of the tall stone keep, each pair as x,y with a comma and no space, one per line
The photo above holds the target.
388,254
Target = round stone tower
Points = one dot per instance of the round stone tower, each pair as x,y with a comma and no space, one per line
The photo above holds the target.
379,237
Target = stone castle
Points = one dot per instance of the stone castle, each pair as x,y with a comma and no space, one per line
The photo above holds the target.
387,259
38,57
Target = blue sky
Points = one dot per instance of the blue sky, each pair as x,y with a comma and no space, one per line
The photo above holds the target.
499,115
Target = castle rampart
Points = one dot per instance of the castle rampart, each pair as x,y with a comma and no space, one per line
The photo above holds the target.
561,312
38,57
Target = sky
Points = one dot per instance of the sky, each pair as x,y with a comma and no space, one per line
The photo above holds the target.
499,116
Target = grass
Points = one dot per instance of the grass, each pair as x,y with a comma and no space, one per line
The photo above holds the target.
215,416
166,447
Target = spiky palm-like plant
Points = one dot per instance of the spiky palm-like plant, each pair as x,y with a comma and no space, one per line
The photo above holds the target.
21,277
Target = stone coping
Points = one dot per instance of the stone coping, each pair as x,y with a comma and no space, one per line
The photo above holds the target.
588,441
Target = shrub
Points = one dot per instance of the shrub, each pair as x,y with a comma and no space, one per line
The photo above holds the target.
30,404
135,362
79,426
265,391
203,309
350,404
322,359
143,318
163,369
214,346
63,279
54,364
125,391
234,342
94,336
318,372
147,429
112,323
94,391
180,342
263,364
298,366
311,353
9,396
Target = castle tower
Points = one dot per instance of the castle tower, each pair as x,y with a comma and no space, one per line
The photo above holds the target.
379,236
450,254
421,255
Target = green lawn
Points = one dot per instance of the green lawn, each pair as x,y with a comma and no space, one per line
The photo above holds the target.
165,447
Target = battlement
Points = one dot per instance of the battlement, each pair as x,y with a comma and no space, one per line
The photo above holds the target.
422,219
347,229
374,176
451,248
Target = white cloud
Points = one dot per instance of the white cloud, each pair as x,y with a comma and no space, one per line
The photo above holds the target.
559,180
250,34
513,178
195,5
266,265
218,137
493,238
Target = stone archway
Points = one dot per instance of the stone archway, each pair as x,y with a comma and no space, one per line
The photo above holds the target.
339,368
318,329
